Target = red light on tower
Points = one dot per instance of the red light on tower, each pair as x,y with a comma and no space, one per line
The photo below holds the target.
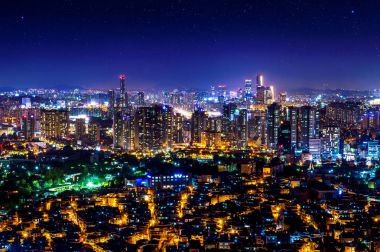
122,77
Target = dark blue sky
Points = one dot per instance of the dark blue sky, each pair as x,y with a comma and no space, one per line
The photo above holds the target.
189,43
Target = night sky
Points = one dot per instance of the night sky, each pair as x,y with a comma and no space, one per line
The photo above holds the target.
189,43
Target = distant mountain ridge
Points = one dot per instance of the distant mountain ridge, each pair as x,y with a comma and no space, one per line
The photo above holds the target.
313,91
9,89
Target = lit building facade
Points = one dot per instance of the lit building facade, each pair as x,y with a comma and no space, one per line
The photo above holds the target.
54,124
273,124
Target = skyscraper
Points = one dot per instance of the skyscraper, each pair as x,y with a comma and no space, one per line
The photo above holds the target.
273,124
54,124
370,120
309,125
260,80
123,94
111,102
241,130
28,125
167,124
111,99
257,130
211,135
177,128
269,95
198,125
119,137
248,89
130,132
153,127
282,98
304,123
260,90
227,121
295,127
80,129
94,132
284,138
118,130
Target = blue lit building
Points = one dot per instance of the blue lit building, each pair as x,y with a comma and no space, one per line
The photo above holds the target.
175,181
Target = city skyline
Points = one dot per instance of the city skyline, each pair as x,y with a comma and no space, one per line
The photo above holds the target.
175,44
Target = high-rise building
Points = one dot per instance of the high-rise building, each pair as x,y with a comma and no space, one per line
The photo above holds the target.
304,124
94,132
248,89
123,93
153,127
54,124
228,117
260,80
130,132
111,100
167,122
344,114
260,90
119,115
315,149
284,138
273,124
28,125
330,142
186,127
177,128
211,135
241,130
211,139
371,120
309,125
234,125
118,130
111,103
269,95
257,130
282,98
198,125
80,129
214,124
295,126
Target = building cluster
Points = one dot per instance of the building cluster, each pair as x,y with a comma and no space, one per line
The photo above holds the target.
307,130
187,170
242,206
301,127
